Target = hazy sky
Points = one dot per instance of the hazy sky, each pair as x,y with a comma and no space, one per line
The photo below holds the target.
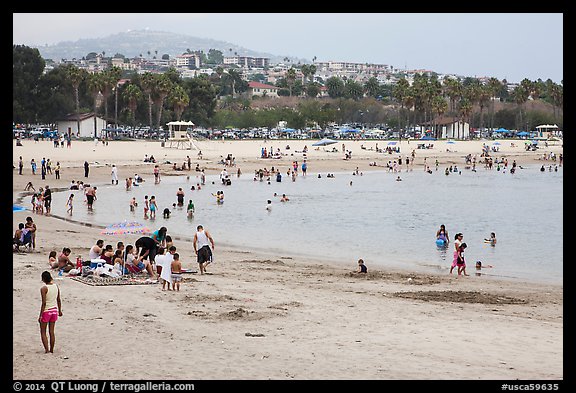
507,45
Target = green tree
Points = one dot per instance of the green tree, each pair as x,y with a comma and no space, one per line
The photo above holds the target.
27,68
132,94
290,79
335,87
179,100
353,90
95,85
148,83
76,76
162,88
372,87
494,87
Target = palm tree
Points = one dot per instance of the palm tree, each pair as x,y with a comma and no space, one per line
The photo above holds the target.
76,76
95,87
464,112
179,100
110,80
399,91
311,71
335,87
132,94
520,96
372,87
305,70
148,82
439,106
483,100
162,89
494,86
234,79
290,79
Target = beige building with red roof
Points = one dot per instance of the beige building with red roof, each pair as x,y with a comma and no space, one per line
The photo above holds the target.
261,89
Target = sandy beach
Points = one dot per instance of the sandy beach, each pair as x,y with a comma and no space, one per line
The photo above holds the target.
261,316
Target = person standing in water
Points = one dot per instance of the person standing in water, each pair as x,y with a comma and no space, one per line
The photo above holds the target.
442,234
491,239
180,196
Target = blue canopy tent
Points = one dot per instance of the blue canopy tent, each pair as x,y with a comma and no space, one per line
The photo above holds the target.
288,130
350,130
427,138
501,130
523,133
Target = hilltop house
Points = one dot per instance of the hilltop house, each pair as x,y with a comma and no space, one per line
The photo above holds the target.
69,125
261,89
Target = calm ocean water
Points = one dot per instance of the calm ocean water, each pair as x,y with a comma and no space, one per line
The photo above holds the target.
384,221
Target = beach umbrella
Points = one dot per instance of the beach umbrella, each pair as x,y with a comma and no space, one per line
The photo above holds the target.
496,143
450,142
125,227
392,143
324,142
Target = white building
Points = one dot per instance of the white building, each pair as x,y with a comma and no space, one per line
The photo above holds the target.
69,125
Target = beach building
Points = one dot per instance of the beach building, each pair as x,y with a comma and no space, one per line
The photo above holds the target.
82,126
547,131
450,128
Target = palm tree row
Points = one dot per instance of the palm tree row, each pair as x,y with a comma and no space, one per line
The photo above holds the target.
423,102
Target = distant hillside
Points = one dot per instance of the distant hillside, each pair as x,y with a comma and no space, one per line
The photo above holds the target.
140,42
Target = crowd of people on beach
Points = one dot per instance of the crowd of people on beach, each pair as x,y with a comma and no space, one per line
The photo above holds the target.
155,256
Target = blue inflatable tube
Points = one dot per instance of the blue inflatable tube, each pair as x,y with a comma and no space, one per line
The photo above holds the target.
440,242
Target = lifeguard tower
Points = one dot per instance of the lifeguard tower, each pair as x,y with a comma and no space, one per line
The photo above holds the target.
179,135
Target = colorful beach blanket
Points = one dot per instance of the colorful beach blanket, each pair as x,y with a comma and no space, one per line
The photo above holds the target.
123,280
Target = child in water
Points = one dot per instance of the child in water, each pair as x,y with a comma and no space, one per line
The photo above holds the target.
491,239
133,204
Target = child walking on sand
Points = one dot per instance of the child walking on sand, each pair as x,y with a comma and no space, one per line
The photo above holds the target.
461,263
50,310
176,267
69,204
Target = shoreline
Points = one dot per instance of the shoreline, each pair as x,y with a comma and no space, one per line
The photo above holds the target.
282,316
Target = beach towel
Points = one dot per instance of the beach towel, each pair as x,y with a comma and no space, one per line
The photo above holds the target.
165,261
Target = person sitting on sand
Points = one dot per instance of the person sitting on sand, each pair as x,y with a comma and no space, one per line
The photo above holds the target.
64,262
107,254
52,260
361,266
134,264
